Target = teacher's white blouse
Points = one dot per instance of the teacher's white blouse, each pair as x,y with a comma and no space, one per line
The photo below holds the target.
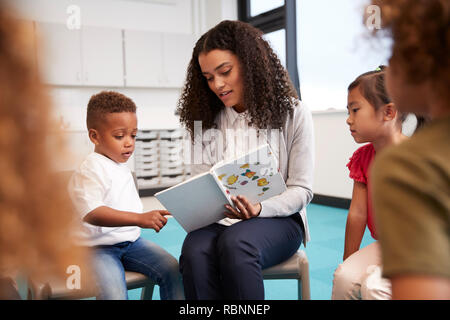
293,146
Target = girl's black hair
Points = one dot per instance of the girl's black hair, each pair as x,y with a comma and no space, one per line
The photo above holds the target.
372,86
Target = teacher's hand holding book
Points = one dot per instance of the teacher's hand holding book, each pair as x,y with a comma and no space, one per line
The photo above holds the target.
246,210
241,183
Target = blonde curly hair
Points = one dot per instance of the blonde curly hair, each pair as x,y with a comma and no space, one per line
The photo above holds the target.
36,218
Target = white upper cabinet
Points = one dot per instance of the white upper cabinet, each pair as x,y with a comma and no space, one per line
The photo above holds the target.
107,57
59,54
156,59
91,56
102,56
177,50
143,59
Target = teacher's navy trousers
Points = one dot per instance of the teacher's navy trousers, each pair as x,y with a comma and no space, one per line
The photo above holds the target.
219,262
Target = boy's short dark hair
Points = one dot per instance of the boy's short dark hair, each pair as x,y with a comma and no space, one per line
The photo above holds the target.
107,102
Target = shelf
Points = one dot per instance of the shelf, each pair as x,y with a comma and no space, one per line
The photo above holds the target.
158,159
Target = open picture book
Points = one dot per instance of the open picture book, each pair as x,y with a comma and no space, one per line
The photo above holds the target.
200,200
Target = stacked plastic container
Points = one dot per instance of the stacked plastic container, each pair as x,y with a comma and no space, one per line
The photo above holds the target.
159,158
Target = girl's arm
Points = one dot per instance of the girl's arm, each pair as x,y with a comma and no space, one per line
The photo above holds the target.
356,219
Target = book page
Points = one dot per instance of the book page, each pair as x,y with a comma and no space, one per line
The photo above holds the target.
254,175
222,188
195,204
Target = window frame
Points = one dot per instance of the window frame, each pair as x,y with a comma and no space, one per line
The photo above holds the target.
283,17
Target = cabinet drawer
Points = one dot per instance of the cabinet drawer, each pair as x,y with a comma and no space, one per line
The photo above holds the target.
147,164
147,143
171,180
147,172
175,150
170,157
172,171
171,164
171,134
171,143
139,158
146,152
148,182
147,134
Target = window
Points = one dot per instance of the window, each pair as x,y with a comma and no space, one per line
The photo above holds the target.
277,40
276,18
260,6
326,39
333,49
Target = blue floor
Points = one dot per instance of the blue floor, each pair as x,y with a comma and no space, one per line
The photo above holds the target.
324,251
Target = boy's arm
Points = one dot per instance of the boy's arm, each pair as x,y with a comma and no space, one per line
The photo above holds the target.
107,217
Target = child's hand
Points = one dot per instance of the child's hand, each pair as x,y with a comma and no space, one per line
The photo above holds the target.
246,210
153,219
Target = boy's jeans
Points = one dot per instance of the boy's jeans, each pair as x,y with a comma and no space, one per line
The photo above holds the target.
140,256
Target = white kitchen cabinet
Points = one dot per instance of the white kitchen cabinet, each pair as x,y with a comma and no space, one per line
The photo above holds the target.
102,56
156,59
143,56
59,54
90,56
177,50
107,57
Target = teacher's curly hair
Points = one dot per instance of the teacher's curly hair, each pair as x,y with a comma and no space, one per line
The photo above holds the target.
268,90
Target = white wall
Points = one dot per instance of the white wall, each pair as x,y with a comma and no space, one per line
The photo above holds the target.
334,147
156,106
157,15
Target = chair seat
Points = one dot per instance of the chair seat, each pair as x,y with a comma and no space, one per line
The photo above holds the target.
136,280
289,269
296,267
57,289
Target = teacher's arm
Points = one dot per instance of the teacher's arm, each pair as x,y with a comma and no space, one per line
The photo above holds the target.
300,166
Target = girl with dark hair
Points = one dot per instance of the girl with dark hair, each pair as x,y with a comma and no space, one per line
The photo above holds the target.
372,118
236,82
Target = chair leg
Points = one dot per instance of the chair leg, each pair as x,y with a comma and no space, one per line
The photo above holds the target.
299,289
147,292
306,289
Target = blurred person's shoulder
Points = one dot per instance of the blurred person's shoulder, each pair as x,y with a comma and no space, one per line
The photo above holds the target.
428,147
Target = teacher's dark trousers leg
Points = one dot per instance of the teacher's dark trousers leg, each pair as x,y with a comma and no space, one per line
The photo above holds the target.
219,262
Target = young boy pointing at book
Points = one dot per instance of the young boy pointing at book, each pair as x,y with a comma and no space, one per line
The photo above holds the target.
104,194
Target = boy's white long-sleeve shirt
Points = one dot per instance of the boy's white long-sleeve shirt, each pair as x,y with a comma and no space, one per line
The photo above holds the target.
293,147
